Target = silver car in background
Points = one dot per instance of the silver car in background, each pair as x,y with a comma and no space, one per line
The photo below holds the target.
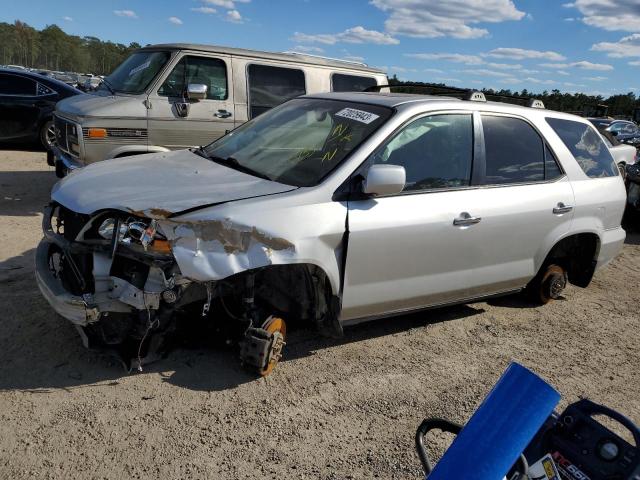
327,211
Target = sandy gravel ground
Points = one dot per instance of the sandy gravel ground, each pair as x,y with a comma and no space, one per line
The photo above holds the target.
333,409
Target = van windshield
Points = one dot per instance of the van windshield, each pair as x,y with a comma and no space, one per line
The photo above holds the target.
300,142
136,73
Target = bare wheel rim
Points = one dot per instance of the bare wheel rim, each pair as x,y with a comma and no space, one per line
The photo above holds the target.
49,136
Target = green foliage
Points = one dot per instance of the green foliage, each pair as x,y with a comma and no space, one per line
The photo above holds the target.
52,49
618,105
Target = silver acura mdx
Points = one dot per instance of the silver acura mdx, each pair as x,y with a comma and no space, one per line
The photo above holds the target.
326,211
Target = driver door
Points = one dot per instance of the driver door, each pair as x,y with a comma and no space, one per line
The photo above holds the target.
404,250
177,122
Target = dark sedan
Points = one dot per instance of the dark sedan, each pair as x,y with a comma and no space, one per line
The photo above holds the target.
27,102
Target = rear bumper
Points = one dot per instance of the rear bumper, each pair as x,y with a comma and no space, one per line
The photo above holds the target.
76,309
611,243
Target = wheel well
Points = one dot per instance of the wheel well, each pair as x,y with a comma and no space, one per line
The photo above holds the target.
299,293
577,255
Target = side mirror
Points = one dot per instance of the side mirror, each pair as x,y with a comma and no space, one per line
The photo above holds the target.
384,180
196,91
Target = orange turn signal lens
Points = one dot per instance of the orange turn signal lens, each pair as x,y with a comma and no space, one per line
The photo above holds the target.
97,133
160,246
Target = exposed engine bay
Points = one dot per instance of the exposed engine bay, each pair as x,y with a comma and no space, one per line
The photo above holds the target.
113,275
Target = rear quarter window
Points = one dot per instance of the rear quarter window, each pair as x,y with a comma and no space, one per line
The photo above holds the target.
586,146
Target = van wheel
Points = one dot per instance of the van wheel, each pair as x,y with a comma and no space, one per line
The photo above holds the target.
548,284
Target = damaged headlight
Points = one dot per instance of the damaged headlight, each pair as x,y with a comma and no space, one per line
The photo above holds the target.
136,232
105,230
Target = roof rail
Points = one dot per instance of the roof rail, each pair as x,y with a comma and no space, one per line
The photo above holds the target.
353,62
464,94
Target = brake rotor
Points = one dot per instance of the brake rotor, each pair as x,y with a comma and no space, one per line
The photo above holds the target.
277,329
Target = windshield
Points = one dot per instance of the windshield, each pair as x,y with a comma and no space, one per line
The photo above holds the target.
136,73
299,142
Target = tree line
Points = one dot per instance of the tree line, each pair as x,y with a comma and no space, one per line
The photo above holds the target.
621,105
53,49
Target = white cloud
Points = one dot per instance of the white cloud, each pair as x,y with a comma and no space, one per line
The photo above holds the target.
625,47
570,84
351,35
584,65
596,79
437,18
562,72
234,16
175,20
448,80
67,19
523,54
307,49
483,72
510,80
539,81
205,10
570,19
354,58
402,69
432,70
448,57
125,13
635,63
610,14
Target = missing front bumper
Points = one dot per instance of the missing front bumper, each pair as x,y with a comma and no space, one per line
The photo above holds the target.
77,309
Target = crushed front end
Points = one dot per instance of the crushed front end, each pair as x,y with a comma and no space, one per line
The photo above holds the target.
113,275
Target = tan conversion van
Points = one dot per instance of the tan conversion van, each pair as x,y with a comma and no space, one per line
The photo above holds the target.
167,97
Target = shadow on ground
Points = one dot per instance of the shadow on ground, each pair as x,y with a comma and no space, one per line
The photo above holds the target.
24,192
40,351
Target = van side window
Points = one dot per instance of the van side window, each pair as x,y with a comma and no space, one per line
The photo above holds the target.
211,72
351,83
435,151
270,86
514,151
586,145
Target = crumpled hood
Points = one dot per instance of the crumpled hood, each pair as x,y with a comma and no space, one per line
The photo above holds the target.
101,105
158,185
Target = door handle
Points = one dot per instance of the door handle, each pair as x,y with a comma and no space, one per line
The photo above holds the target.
222,114
562,208
464,220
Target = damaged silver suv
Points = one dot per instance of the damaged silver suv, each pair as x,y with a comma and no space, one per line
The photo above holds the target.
327,211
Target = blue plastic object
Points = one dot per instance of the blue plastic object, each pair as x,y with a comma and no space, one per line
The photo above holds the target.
499,431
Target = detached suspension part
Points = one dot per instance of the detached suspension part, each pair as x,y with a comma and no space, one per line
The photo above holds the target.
261,347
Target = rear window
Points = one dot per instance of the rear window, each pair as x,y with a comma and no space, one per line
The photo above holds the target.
16,85
270,86
351,83
587,147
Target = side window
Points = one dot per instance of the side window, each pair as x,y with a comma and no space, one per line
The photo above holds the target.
16,85
270,86
436,151
351,83
514,151
587,147
551,168
617,127
211,72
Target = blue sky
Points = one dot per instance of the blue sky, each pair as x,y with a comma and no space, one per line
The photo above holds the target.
591,46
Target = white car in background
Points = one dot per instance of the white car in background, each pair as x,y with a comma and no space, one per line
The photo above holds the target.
623,154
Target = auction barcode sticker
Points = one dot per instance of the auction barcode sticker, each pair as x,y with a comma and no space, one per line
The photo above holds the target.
358,115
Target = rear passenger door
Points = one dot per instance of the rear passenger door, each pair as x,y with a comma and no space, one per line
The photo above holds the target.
19,109
525,205
174,121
